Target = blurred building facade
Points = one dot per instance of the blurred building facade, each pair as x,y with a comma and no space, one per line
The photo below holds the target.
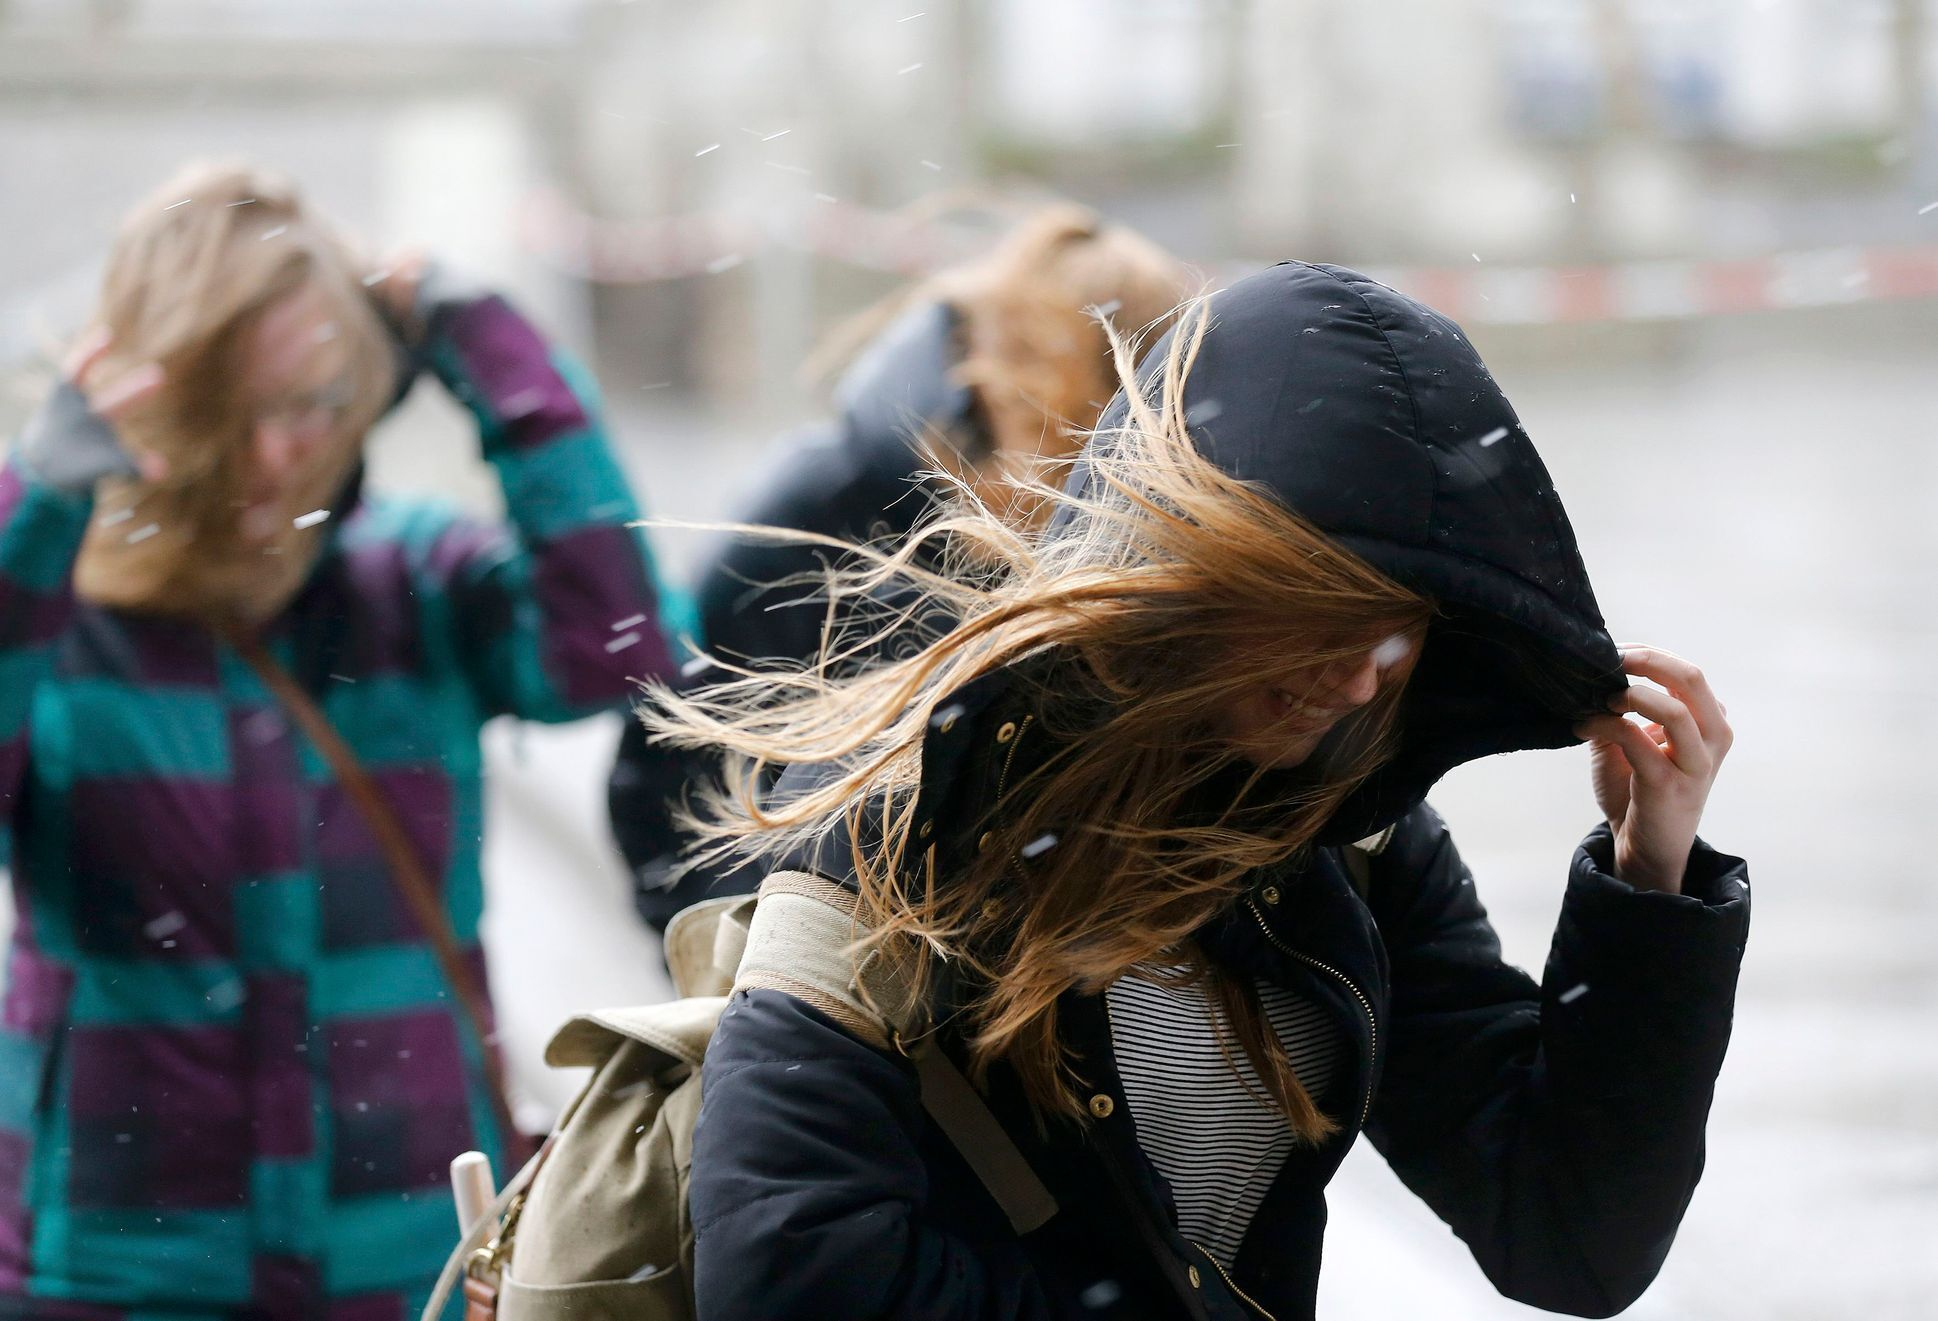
709,186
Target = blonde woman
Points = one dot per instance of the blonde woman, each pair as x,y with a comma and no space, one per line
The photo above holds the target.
232,1072
1146,830
985,370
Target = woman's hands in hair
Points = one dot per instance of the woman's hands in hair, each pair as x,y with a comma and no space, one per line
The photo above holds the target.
1652,776
393,287
75,441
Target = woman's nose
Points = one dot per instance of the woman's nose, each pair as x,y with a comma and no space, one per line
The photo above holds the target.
275,448
1354,683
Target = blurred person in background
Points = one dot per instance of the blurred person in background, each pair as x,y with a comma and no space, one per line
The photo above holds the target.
1144,838
984,372
233,1068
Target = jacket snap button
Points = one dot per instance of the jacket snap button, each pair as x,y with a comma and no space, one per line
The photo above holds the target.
927,829
1270,894
1191,1274
992,909
982,844
948,723
1007,732
1102,1106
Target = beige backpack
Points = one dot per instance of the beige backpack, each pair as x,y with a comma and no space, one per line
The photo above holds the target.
595,1227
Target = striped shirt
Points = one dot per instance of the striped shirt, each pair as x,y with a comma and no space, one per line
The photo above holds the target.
1201,1116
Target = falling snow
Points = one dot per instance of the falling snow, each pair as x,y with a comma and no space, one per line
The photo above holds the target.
711,146
142,534
623,641
726,263
1574,993
910,68
274,231
630,621
165,925
1493,437
1391,652
1039,846
310,519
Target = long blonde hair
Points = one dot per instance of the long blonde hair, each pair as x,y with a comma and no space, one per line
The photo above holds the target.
193,268
1035,348
1156,594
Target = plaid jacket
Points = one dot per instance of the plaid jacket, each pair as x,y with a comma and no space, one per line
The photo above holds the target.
230,1070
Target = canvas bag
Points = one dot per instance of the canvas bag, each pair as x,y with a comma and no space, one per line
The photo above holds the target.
596,1226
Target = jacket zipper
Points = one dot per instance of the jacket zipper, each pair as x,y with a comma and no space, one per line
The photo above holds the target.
1230,1283
1365,1005
1015,744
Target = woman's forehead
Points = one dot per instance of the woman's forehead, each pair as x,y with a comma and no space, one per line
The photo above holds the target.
297,344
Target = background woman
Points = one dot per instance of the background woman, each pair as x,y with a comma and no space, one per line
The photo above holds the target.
232,1072
1146,828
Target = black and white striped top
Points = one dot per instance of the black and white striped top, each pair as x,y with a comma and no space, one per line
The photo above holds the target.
1217,1142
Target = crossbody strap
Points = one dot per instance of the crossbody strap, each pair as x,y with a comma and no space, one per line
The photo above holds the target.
400,855
801,941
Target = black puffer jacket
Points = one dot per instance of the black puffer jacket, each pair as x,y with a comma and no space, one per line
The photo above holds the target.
855,479
1558,1127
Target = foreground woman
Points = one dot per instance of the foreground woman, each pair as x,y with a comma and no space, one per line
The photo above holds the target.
234,1063
1145,829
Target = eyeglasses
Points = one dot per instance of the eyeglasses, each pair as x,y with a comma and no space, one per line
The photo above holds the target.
323,407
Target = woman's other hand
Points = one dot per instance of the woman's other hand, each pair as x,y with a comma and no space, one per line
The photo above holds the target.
393,286
1652,776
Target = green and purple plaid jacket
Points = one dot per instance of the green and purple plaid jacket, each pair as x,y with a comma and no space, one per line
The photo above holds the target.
231,1074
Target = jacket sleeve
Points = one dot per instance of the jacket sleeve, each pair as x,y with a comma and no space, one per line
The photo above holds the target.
808,1185
46,499
558,613
1558,1129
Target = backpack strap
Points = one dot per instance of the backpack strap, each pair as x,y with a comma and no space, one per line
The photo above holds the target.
801,942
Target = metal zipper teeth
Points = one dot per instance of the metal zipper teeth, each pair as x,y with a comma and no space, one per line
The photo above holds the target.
1230,1283
1365,1005
1015,745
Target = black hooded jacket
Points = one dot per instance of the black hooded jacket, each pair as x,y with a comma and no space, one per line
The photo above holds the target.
854,479
1557,1127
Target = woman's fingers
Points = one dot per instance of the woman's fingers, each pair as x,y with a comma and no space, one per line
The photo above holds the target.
1650,763
132,388
86,352
1686,746
1685,680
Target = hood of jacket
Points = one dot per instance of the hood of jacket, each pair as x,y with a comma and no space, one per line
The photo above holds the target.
1370,415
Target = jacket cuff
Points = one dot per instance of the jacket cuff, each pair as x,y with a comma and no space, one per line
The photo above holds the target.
1680,939
69,447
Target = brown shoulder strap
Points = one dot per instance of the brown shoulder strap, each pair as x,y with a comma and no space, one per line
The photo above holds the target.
400,855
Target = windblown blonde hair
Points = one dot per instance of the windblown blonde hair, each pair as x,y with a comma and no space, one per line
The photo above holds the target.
194,267
1159,592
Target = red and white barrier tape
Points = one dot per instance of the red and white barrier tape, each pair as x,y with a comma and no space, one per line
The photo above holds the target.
639,252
